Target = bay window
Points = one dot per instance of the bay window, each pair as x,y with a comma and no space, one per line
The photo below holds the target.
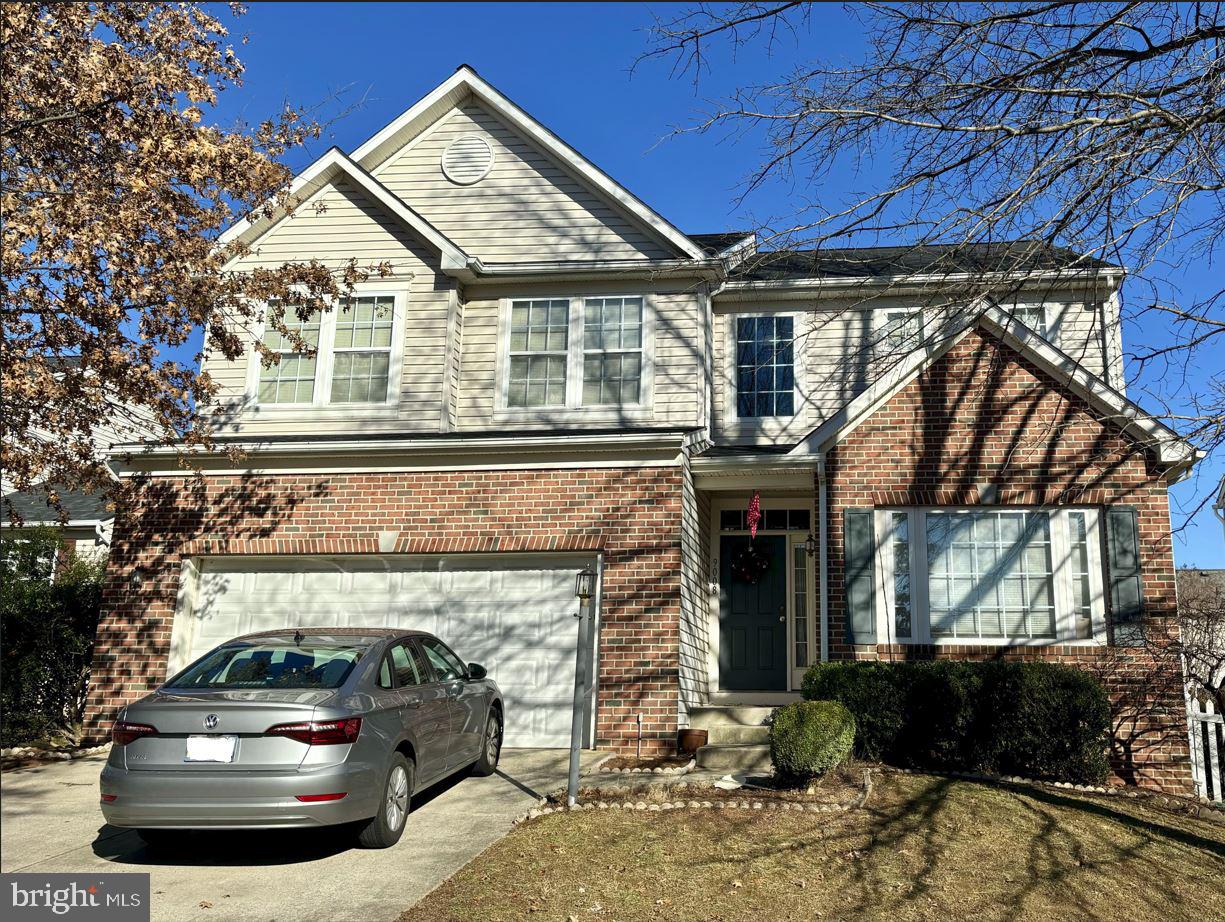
989,576
575,353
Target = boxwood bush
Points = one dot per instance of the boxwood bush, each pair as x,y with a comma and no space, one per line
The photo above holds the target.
808,738
1038,720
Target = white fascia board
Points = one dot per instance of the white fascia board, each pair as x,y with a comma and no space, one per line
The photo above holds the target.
334,162
904,284
1170,448
466,79
55,523
470,448
586,269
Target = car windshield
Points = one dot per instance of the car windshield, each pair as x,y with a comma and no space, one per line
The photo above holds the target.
272,664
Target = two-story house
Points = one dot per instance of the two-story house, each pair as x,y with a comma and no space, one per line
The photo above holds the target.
554,377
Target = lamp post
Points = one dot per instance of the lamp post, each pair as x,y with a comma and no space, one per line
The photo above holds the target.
584,588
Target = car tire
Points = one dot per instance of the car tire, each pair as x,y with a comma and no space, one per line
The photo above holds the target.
491,746
385,828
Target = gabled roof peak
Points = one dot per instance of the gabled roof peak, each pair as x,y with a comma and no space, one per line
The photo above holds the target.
464,83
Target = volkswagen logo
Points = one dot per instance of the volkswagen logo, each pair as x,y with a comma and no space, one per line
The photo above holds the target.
210,721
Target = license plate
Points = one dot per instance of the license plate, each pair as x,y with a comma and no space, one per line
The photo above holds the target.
210,748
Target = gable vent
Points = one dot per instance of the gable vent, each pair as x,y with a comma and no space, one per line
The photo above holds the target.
467,160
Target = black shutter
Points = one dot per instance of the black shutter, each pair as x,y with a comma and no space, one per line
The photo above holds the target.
1123,561
860,584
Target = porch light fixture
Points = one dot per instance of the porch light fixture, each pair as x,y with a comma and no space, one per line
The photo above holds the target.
584,584
810,545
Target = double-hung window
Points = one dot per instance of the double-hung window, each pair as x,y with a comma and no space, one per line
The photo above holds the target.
352,361
765,366
1033,316
993,576
361,350
903,330
292,379
612,351
576,352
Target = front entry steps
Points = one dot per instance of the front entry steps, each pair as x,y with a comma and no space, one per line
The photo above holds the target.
738,738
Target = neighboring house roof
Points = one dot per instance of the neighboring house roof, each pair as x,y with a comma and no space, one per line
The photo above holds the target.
1171,450
891,262
714,244
33,509
335,163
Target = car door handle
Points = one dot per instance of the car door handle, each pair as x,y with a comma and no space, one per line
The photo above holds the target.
413,701
454,689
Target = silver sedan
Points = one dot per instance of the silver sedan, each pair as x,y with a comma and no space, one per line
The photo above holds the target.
308,727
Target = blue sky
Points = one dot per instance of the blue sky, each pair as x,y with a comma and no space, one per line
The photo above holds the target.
568,64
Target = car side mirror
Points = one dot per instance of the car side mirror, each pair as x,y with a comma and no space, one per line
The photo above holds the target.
477,671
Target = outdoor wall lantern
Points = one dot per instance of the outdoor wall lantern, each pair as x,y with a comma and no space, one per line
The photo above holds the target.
584,584
810,545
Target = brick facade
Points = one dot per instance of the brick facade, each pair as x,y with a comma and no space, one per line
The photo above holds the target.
631,514
982,414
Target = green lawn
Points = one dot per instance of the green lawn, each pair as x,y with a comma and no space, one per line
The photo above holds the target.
922,848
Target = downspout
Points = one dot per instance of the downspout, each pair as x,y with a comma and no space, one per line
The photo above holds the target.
823,553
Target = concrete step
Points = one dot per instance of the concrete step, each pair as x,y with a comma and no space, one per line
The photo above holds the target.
711,716
742,757
729,735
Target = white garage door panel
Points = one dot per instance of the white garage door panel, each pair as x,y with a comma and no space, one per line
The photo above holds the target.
516,619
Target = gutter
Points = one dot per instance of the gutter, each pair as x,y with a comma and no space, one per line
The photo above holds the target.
901,283
520,444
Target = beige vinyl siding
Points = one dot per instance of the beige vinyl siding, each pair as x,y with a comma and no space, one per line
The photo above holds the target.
676,392
349,226
835,348
695,608
527,209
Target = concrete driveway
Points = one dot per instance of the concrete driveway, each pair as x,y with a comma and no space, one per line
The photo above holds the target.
51,823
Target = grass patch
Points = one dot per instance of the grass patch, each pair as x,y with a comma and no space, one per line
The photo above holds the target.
923,848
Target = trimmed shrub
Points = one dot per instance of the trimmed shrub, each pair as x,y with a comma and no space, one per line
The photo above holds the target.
47,641
1039,720
808,738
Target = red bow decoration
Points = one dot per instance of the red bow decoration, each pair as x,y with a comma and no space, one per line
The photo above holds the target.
754,513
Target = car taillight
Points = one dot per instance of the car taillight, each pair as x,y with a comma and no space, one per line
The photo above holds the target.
320,732
123,732
109,798
320,798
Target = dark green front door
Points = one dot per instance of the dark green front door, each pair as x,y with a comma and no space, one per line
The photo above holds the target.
753,617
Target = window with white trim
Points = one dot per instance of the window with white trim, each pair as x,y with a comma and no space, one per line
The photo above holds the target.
990,575
539,349
612,351
292,379
765,366
361,350
576,352
355,356
1033,316
902,330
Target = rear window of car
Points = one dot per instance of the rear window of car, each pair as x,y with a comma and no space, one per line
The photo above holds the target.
272,665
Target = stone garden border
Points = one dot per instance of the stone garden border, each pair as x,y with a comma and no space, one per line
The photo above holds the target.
22,756
770,806
599,769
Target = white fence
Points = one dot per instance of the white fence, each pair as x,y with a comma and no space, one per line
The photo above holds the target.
1207,749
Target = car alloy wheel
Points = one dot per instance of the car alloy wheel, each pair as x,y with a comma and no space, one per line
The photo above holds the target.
493,739
397,798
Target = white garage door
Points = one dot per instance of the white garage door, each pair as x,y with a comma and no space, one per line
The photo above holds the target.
515,617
